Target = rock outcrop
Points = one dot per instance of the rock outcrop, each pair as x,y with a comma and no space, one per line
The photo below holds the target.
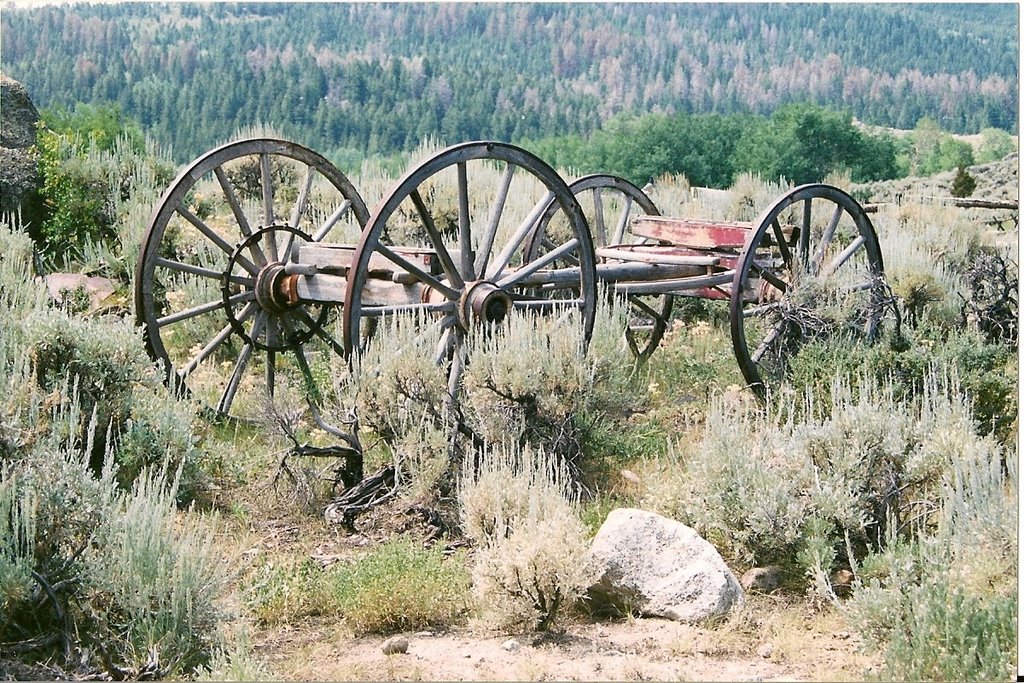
19,173
660,567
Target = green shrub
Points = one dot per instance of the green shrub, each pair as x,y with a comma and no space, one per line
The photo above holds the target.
531,556
942,606
74,193
93,186
813,479
114,574
397,586
400,586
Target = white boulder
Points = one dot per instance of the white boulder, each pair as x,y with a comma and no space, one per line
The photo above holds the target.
660,567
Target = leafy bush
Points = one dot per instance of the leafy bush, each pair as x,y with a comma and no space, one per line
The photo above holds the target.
816,481
940,607
93,180
113,573
399,585
531,557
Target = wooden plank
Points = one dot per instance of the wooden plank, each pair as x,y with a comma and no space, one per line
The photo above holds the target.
337,258
657,254
691,232
331,289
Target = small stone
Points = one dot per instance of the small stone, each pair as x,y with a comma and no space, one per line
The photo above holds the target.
842,582
766,650
511,645
762,579
396,645
630,476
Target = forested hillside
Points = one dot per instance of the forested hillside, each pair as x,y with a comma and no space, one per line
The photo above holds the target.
379,78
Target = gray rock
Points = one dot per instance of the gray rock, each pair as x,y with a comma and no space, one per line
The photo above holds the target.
660,567
762,579
396,645
98,289
20,181
511,645
19,117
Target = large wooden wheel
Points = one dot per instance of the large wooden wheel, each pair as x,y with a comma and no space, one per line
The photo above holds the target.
216,246
811,270
609,203
459,229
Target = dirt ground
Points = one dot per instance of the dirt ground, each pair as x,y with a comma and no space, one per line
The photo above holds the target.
789,648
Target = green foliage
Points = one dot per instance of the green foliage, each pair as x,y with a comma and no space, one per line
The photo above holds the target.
113,571
400,586
531,556
397,586
963,183
935,151
941,607
804,481
804,143
584,64
74,195
99,125
995,145
99,187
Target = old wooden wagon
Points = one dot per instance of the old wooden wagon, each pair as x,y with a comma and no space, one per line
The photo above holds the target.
261,258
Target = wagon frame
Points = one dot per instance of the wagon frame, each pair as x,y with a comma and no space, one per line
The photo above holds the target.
279,282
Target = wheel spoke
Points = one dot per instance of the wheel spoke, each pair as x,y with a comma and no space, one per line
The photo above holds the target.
332,220
635,300
444,345
805,234
269,371
501,261
465,238
239,214
204,308
599,227
267,181
214,237
300,204
769,339
620,227
458,364
317,329
218,339
228,397
780,239
826,237
204,272
527,270
447,264
844,256
418,272
769,276
493,219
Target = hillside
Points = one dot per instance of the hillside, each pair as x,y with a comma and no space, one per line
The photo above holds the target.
381,78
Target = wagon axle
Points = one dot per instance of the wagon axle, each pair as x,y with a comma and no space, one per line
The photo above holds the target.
257,293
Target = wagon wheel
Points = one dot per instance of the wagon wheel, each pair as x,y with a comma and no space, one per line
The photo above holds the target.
475,208
811,270
215,246
608,203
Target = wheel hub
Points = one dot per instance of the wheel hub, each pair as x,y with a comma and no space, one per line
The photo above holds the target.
295,323
483,302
